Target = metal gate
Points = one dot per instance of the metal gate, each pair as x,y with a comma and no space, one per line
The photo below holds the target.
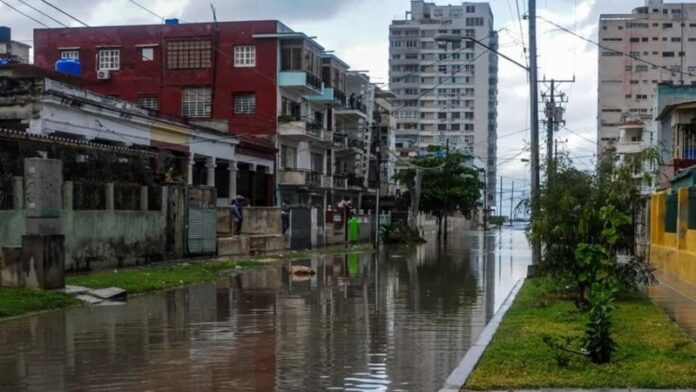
300,228
201,220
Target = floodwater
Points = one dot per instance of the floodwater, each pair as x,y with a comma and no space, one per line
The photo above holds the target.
399,320
678,300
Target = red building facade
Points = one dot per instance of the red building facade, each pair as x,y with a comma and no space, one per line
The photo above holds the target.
211,74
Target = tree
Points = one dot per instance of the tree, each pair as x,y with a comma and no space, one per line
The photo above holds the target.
448,185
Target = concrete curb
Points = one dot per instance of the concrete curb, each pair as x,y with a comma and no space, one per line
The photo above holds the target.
459,375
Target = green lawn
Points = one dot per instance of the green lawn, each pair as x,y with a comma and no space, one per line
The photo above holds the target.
146,279
653,352
14,302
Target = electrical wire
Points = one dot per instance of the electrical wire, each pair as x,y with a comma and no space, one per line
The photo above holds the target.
22,13
43,13
64,13
637,58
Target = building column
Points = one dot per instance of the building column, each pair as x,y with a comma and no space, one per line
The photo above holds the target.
252,185
232,171
191,164
210,165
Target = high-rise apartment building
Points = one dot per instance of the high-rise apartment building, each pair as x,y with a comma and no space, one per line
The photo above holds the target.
445,84
655,43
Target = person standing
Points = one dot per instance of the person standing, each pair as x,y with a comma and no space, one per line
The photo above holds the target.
237,214
285,215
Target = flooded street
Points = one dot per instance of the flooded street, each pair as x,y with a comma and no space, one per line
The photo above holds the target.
399,320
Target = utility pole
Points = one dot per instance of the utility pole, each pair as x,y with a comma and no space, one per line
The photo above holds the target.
554,118
500,205
446,184
379,186
534,125
512,197
485,201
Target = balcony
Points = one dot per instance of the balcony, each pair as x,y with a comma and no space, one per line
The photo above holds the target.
346,145
352,111
299,177
340,182
302,130
632,147
300,82
329,96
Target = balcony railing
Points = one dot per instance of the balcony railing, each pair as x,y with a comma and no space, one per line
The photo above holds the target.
313,178
355,181
313,128
340,182
340,97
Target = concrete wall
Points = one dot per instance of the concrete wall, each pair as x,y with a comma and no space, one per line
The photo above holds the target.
100,239
12,227
257,221
97,238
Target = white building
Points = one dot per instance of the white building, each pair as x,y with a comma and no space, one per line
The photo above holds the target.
13,51
445,83
664,37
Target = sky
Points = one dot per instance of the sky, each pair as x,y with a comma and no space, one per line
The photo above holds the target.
358,30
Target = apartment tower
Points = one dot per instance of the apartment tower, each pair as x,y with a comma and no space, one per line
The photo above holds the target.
446,84
654,44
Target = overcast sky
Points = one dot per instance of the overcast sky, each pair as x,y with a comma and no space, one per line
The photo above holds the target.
358,31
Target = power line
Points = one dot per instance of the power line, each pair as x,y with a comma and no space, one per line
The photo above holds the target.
579,135
64,13
43,13
146,9
22,13
637,58
519,20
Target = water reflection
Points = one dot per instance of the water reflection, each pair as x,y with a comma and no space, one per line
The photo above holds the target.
398,320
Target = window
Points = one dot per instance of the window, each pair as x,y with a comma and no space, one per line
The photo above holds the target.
245,56
635,39
148,102
454,127
666,25
676,39
474,22
188,54
667,54
195,102
470,9
70,54
612,53
148,54
629,68
641,68
245,104
109,59
288,157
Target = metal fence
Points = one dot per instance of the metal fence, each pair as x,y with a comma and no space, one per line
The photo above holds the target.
127,196
671,210
89,195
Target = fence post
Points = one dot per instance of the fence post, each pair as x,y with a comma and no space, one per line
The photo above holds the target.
68,195
18,193
165,199
110,196
143,198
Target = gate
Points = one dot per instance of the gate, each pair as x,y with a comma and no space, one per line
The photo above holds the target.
201,224
300,228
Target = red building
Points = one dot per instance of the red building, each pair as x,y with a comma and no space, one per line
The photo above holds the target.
212,74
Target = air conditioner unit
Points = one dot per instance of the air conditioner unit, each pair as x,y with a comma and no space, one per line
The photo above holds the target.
103,74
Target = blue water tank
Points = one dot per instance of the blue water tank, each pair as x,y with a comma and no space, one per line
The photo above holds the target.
69,66
172,21
5,34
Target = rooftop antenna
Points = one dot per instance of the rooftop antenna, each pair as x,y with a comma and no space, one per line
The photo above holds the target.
212,7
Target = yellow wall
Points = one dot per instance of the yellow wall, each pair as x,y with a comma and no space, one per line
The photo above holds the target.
673,254
170,134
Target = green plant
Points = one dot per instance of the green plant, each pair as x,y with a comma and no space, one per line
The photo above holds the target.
399,233
598,343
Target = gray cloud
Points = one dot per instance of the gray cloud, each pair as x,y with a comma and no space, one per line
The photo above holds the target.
284,10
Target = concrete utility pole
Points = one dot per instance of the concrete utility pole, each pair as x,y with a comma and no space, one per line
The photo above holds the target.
534,122
500,208
512,197
554,118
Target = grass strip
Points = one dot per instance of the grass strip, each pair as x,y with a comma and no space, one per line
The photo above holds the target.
152,278
652,351
15,302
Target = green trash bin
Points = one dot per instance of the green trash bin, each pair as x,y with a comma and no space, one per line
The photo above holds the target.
353,230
